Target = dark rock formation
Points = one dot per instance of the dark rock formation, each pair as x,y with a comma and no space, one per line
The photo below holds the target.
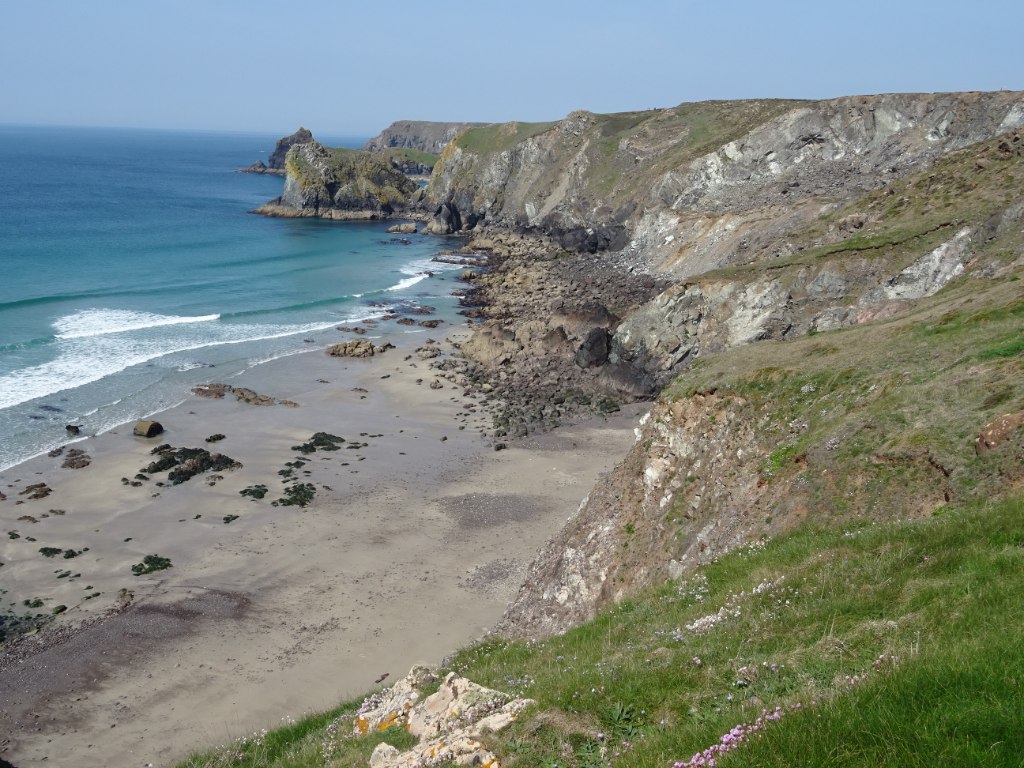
594,349
275,163
277,157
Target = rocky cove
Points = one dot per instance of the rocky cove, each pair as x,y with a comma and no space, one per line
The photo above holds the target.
625,252
791,312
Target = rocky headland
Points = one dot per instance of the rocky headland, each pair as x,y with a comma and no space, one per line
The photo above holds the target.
421,135
336,183
275,163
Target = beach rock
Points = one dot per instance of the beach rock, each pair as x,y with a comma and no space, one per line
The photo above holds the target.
73,429
212,390
147,428
246,395
76,461
429,323
36,491
406,321
355,348
409,228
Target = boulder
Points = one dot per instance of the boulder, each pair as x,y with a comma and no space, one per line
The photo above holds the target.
246,395
998,432
147,428
594,349
408,228
215,391
356,348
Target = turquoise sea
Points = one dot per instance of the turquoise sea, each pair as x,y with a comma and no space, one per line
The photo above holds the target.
131,270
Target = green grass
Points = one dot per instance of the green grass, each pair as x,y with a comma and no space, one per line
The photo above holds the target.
940,602
497,138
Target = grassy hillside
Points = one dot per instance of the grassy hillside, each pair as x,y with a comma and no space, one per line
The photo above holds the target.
883,645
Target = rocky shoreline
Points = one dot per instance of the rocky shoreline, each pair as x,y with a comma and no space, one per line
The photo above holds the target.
540,348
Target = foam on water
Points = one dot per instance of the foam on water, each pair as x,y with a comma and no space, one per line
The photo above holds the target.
84,359
102,322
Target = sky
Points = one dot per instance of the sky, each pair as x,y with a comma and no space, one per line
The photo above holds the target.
344,68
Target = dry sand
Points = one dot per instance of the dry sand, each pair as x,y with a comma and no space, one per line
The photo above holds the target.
412,547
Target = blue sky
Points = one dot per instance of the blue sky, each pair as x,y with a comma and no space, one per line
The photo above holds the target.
346,68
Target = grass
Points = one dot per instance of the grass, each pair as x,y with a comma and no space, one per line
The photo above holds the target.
880,420
497,138
885,645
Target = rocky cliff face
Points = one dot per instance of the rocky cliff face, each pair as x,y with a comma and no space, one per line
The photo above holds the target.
809,260
688,185
422,135
339,184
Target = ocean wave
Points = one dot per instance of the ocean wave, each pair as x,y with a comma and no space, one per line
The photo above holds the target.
86,359
103,322
408,282
291,307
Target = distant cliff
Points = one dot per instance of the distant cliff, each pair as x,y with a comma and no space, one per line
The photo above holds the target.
421,135
336,183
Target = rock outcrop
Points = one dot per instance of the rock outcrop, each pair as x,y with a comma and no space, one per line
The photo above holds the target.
358,348
339,184
449,723
279,156
421,135
275,163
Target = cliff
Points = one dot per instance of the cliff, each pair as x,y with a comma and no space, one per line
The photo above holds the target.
824,281
702,174
339,184
420,135
875,377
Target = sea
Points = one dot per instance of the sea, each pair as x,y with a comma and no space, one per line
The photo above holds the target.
131,269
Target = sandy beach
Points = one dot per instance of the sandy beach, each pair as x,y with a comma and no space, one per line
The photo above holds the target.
417,537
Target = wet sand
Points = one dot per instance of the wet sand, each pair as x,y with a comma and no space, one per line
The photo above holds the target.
412,547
